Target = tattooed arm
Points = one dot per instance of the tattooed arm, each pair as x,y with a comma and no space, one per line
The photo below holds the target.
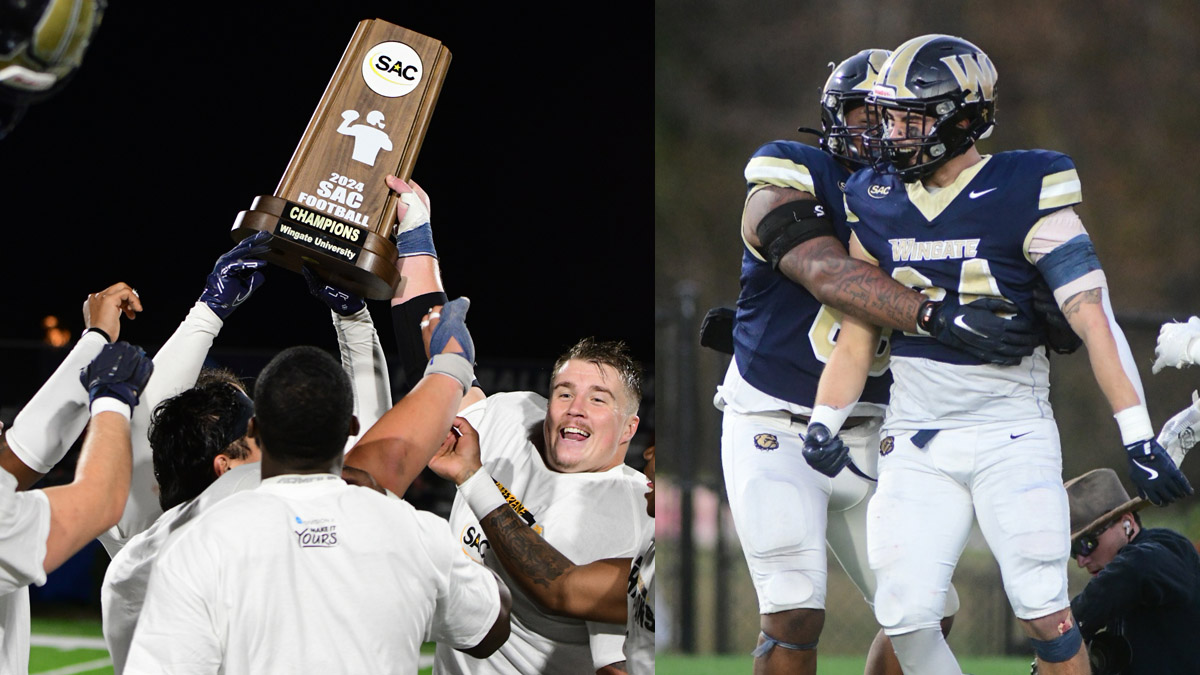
592,592
822,266
1090,317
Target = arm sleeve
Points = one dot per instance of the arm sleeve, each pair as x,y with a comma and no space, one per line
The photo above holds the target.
468,599
1150,575
364,362
56,415
175,633
176,367
177,363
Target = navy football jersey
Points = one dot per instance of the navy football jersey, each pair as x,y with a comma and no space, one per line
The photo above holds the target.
782,335
968,239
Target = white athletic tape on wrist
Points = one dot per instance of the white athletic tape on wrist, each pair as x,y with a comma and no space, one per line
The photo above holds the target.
415,216
1134,423
111,404
830,417
481,493
454,365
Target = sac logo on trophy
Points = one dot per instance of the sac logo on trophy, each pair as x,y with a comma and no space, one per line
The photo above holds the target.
332,211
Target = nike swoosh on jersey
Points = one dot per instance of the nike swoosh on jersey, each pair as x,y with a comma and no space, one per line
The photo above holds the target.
1016,436
1152,472
977,195
958,321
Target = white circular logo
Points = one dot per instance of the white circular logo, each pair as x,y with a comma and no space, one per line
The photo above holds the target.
392,69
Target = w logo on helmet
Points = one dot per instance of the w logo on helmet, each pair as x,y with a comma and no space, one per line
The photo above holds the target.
975,75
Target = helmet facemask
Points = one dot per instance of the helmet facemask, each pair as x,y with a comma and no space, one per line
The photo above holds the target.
932,132
841,138
844,92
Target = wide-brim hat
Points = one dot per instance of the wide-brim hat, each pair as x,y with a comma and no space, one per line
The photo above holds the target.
1098,497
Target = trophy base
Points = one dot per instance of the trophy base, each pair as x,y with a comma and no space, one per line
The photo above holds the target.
348,257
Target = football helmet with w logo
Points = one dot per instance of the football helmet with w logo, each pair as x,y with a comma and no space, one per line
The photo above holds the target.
936,96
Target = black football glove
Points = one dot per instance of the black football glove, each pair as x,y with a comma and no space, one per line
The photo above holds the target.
1059,335
236,275
342,302
1155,474
975,328
119,371
716,331
825,452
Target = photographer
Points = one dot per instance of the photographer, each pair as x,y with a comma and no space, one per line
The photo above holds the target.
1138,612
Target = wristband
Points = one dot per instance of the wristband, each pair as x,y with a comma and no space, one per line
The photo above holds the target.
1134,423
454,365
832,418
417,241
481,493
111,404
106,336
925,316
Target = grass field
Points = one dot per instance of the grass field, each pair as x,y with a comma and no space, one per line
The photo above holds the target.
675,664
76,647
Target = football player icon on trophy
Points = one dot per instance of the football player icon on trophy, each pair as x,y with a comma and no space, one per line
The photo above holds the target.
369,138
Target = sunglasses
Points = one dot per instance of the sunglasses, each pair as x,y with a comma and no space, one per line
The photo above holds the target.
1087,543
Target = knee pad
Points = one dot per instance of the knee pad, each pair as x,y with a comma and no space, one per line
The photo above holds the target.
790,589
770,643
1061,648
902,608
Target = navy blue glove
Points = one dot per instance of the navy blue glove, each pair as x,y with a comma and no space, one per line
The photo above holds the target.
1155,474
453,324
236,275
341,302
975,328
1059,335
825,452
119,371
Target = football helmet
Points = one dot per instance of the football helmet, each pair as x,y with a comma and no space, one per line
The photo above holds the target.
946,79
845,90
41,44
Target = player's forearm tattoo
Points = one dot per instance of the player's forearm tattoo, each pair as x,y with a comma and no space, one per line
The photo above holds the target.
852,286
525,555
1089,297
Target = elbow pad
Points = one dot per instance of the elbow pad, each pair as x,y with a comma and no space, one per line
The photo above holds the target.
790,225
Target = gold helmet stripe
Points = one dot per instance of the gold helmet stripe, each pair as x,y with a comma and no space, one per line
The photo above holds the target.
896,68
875,63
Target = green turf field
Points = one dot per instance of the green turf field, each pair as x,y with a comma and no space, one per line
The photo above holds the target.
76,647
674,664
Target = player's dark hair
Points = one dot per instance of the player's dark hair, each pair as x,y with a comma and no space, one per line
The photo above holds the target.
189,430
614,354
303,404
219,374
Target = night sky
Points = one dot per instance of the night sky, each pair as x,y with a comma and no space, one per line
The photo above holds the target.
536,161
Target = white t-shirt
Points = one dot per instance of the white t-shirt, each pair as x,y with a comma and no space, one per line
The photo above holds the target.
124,588
309,574
639,640
586,516
24,526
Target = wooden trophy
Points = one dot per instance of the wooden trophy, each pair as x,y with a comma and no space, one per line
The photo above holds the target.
332,210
